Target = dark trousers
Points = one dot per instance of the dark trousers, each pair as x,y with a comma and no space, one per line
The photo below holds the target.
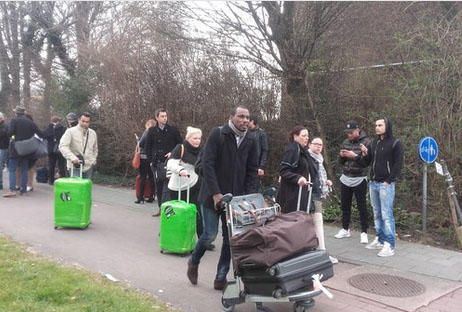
53,160
360,192
146,173
162,191
193,194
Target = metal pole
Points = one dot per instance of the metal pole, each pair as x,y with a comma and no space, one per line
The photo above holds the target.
424,199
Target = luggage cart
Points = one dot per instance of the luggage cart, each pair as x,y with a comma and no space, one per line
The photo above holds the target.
238,220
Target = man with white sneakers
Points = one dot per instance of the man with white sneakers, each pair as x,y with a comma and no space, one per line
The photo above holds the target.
353,180
385,154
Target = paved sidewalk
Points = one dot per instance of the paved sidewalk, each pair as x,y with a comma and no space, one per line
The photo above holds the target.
123,241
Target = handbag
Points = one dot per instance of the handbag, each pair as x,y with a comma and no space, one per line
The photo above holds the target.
28,146
136,161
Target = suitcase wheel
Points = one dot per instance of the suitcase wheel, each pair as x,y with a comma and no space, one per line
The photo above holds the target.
277,293
303,306
226,307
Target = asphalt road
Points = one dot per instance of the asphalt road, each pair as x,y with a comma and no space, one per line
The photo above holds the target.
123,241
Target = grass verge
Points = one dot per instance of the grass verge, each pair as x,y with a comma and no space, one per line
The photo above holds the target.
34,284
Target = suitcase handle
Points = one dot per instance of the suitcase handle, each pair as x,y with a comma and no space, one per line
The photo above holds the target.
72,170
299,198
187,189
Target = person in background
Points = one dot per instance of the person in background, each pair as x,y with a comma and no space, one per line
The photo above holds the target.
298,170
262,141
145,171
79,145
4,142
72,120
21,128
53,134
315,150
386,156
353,181
160,141
229,165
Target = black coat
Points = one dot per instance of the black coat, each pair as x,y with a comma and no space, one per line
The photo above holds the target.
351,167
53,135
160,142
4,138
227,168
22,128
296,163
262,146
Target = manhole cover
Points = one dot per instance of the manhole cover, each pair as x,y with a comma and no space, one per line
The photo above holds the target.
386,285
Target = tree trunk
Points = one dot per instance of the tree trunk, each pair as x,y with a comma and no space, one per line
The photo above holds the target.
16,55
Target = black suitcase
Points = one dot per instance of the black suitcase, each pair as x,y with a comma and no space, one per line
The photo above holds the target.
287,276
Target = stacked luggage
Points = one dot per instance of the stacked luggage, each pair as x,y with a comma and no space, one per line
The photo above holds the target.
276,257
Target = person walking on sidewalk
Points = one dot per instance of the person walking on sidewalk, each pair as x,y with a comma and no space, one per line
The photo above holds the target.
315,150
229,165
386,155
160,141
21,128
353,180
79,145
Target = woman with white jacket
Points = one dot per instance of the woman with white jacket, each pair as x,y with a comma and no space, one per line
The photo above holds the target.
181,168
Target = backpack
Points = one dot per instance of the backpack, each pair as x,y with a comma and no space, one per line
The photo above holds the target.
198,165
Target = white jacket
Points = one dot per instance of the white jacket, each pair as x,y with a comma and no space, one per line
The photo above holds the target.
72,144
175,166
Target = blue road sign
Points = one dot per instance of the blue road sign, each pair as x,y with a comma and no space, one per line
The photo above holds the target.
428,150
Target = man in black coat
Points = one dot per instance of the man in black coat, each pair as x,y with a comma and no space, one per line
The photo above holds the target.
262,144
160,141
20,128
229,165
53,134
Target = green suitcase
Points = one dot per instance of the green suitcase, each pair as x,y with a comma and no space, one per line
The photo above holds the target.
177,226
73,202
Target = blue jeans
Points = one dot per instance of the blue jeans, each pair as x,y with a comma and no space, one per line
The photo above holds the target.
3,161
382,197
210,220
23,164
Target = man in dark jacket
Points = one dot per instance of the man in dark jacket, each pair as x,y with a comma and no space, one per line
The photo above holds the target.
160,141
385,154
53,134
20,128
4,141
229,165
262,145
353,181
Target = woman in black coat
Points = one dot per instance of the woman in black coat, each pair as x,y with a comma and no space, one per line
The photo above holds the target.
297,169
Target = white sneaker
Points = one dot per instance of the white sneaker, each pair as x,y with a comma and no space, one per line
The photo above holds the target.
364,239
386,251
375,244
343,233
333,260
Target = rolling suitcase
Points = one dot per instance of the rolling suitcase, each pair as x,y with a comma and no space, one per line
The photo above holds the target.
178,225
287,276
72,206
148,190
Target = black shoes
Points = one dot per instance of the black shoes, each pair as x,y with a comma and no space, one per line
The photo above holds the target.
150,200
210,247
219,285
193,272
139,201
